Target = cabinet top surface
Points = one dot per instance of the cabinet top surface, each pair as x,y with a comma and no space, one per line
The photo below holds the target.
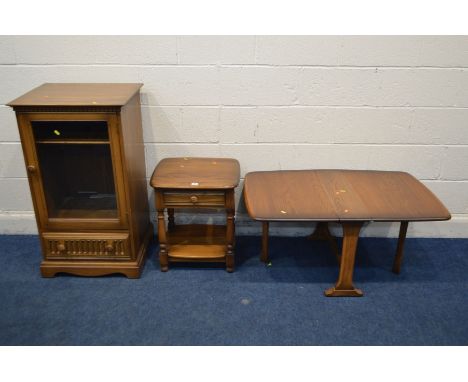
196,173
340,195
78,94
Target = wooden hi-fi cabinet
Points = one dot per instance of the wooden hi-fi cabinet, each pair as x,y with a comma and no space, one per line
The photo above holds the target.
84,155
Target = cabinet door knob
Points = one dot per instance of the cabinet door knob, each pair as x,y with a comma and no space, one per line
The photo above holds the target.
193,199
31,168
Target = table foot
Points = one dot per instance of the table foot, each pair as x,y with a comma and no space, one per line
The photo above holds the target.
163,259
333,292
344,286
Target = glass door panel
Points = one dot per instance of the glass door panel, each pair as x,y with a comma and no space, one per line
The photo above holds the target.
75,162
70,130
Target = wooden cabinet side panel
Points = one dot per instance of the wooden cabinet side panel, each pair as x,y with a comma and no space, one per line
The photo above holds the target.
135,169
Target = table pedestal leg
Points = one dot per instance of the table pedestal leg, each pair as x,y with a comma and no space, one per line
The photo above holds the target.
344,286
264,255
401,243
322,232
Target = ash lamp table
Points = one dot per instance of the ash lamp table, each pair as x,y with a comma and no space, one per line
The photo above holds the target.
195,183
349,197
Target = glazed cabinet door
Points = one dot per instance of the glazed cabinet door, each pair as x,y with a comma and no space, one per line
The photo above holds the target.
74,167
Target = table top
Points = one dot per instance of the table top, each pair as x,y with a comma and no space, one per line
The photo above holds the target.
196,173
340,195
78,94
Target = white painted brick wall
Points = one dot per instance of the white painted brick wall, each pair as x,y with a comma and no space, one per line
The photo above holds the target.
230,50
273,102
85,50
374,51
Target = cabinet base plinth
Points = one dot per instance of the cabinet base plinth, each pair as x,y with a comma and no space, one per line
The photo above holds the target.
131,269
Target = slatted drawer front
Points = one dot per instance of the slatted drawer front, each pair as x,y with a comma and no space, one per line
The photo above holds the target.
61,246
187,199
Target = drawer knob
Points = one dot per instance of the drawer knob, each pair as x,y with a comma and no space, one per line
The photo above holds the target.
193,199
61,247
31,168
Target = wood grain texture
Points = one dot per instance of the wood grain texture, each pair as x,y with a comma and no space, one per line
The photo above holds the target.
78,94
195,198
196,173
200,242
340,195
131,269
132,151
196,183
88,246
383,196
350,197
287,196
90,243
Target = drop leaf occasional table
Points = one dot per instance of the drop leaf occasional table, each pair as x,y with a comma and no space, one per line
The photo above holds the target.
83,148
195,183
345,196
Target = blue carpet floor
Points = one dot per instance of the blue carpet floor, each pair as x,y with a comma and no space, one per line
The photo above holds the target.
282,304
